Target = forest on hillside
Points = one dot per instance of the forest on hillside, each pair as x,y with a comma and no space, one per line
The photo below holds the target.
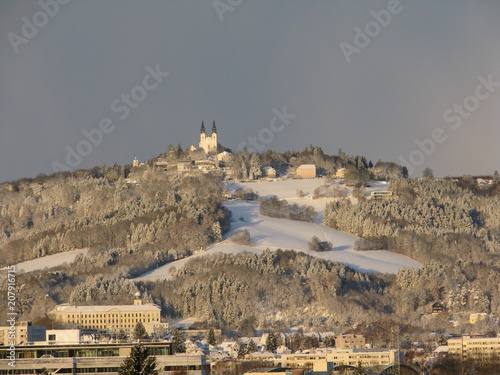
450,228
136,219
129,220
149,211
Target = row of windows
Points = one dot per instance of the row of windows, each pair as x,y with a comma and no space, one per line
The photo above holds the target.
30,371
121,315
64,353
93,370
106,326
180,368
97,321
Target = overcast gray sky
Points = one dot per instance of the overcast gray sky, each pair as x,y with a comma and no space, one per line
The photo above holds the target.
64,67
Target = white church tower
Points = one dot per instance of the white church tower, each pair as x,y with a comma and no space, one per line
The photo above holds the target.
208,144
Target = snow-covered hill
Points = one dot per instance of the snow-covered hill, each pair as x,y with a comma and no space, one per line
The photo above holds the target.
274,233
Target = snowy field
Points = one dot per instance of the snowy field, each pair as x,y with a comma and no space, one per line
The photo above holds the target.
274,233
287,189
49,261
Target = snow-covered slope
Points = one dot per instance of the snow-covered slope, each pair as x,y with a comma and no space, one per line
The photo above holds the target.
49,261
274,233
287,189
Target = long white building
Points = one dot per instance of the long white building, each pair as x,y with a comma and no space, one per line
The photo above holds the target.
94,359
110,318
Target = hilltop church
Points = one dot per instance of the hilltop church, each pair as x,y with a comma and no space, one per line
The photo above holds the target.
208,143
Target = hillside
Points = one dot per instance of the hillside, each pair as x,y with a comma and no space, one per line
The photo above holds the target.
271,233
116,224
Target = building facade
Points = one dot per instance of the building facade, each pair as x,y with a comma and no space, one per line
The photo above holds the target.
476,348
352,357
306,171
350,341
96,359
269,172
22,333
324,363
381,195
111,318
208,143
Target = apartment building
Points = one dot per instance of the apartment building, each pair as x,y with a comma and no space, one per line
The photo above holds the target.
352,357
21,333
350,341
474,347
95,359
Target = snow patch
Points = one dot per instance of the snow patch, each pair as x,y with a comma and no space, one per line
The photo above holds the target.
49,261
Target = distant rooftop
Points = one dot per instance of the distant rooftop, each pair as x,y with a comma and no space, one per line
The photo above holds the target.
307,166
76,309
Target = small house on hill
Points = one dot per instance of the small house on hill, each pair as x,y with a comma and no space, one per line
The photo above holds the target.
306,171
340,173
269,172
438,307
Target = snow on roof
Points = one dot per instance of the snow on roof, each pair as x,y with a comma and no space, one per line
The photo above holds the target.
77,309
441,349
306,166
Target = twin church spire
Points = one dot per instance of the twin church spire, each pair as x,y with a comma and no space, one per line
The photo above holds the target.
208,143
214,128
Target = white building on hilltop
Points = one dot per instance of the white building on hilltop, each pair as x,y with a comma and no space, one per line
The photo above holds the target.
208,143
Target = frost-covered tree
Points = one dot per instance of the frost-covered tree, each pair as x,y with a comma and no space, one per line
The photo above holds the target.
178,342
255,166
272,342
217,232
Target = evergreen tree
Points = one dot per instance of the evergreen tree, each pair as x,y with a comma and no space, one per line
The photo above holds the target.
121,335
251,347
178,342
139,363
496,177
211,337
242,351
179,152
272,342
140,331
